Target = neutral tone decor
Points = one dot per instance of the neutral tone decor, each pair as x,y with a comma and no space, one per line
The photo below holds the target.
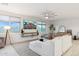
55,47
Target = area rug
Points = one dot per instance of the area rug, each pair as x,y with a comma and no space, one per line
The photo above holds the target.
23,49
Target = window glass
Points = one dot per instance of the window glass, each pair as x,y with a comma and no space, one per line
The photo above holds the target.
2,24
9,21
15,26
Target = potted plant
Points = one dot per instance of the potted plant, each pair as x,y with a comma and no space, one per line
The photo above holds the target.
52,29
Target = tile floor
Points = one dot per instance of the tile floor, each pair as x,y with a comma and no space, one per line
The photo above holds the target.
8,50
22,49
74,50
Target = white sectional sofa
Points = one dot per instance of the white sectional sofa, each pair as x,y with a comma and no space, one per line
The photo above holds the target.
55,47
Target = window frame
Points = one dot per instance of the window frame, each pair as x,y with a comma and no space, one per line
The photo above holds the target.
9,22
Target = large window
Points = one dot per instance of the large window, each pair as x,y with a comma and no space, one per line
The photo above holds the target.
15,26
41,27
2,24
9,21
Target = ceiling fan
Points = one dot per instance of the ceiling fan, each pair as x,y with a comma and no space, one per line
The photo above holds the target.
48,14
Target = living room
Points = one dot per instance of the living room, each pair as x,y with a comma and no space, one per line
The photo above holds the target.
39,29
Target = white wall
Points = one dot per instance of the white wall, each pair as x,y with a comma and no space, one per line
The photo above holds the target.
68,14
69,23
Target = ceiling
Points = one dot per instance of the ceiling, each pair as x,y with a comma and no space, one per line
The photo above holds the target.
62,10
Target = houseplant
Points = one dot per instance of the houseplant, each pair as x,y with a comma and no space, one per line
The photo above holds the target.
52,28
51,33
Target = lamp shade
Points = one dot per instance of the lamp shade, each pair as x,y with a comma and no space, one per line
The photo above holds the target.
46,17
7,27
